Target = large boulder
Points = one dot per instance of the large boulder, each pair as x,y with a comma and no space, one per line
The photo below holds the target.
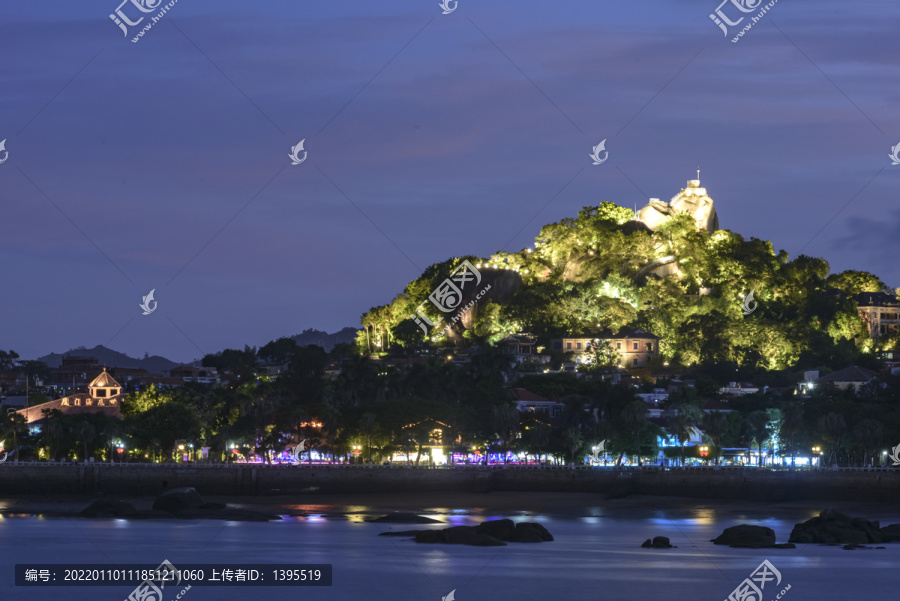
404,518
833,527
108,508
746,535
458,535
178,499
492,533
891,534
530,532
499,529
226,513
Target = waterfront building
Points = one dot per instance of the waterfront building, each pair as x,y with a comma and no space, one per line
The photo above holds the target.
104,395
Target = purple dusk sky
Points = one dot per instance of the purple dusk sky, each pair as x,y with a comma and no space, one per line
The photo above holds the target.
163,164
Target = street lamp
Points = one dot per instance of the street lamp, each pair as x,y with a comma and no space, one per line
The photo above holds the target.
816,451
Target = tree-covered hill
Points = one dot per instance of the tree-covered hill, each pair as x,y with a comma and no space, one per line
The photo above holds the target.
606,270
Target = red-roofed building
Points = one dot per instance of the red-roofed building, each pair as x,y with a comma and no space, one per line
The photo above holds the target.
526,401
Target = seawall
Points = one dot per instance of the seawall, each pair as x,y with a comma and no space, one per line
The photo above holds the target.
878,485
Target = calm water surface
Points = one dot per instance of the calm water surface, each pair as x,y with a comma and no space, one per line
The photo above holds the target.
596,555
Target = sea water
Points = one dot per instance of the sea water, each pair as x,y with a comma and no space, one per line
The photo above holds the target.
595,555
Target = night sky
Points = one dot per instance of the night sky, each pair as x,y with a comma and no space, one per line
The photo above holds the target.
164,164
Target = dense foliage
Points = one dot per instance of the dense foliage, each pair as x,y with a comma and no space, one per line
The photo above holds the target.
603,271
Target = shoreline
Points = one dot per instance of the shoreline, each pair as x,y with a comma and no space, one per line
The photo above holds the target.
562,505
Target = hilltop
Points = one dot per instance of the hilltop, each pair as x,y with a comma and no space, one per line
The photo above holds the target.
667,269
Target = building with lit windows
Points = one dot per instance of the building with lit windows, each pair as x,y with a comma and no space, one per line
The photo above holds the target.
104,395
635,348
880,312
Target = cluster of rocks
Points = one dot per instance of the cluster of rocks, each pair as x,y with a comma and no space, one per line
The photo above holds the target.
752,537
830,527
658,542
833,527
184,503
493,533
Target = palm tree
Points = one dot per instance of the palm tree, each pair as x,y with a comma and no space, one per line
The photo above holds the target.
868,434
87,433
682,426
538,437
573,441
832,426
505,419
758,424
714,425
367,423
634,417
15,423
791,424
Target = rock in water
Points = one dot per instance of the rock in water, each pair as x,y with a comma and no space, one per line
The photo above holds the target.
891,534
107,508
531,532
458,535
404,518
492,533
178,499
499,529
746,535
661,542
647,544
833,527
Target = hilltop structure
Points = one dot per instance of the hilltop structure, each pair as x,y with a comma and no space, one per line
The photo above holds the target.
692,200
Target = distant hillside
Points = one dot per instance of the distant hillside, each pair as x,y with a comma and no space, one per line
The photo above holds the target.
324,339
111,358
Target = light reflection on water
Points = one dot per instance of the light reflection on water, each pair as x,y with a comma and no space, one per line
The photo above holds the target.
591,554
